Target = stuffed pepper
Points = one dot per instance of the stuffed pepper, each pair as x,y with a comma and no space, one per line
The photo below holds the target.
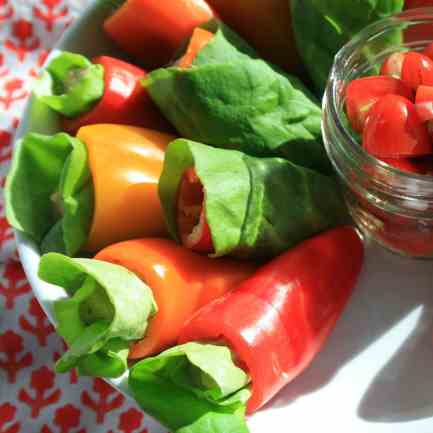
270,328
220,202
106,90
153,30
131,300
225,96
76,194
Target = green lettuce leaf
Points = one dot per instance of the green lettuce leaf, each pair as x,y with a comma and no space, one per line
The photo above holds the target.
193,388
71,84
49,192
255,207
231,99
225,46
41,118
331,24
109,307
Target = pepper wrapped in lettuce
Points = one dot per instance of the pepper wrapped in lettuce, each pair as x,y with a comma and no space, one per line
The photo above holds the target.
108,308
193,388
225,96
110,315
224,202
238,351
75,194
181,282
106,90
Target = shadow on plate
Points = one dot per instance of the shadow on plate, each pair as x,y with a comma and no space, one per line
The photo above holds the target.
389,289
403,389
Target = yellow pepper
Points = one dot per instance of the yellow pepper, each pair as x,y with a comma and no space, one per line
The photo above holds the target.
125,163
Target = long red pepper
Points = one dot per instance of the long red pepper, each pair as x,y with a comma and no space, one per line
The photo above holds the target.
420,31
153,30
278,320
125,101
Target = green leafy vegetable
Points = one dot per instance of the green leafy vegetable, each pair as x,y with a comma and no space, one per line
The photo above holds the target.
41,118
109,307
231,99
49,192
193,388
71,84
322,27
255,207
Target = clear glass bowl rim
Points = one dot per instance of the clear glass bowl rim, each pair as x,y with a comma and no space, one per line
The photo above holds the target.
332,96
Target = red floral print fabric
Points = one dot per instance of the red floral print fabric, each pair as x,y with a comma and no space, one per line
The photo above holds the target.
33,399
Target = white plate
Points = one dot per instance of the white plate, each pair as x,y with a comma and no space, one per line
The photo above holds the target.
374,374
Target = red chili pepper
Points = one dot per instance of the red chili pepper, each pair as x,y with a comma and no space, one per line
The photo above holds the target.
153,30
125,101
278,320
420,31
412,4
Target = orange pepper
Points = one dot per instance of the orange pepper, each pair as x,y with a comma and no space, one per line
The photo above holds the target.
199,39
125,163
181,280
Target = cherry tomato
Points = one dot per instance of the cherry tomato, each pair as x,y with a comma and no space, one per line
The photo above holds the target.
393,65
394,130
361,94
406,164
417,70
424,103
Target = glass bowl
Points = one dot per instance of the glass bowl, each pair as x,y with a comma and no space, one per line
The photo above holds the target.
392,207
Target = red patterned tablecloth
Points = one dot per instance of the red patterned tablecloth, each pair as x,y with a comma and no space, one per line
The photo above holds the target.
33,399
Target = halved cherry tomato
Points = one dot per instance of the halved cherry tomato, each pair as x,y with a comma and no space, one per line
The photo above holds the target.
424,103
417,70
406,164
394,130
413,68
194,230
393,65
363,93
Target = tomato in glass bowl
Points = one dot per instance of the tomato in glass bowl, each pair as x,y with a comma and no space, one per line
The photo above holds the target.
389,193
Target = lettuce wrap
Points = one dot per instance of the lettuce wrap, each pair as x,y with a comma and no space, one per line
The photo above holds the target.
254,207
193,388
49,192
71,84
108,308
232,99
330,25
